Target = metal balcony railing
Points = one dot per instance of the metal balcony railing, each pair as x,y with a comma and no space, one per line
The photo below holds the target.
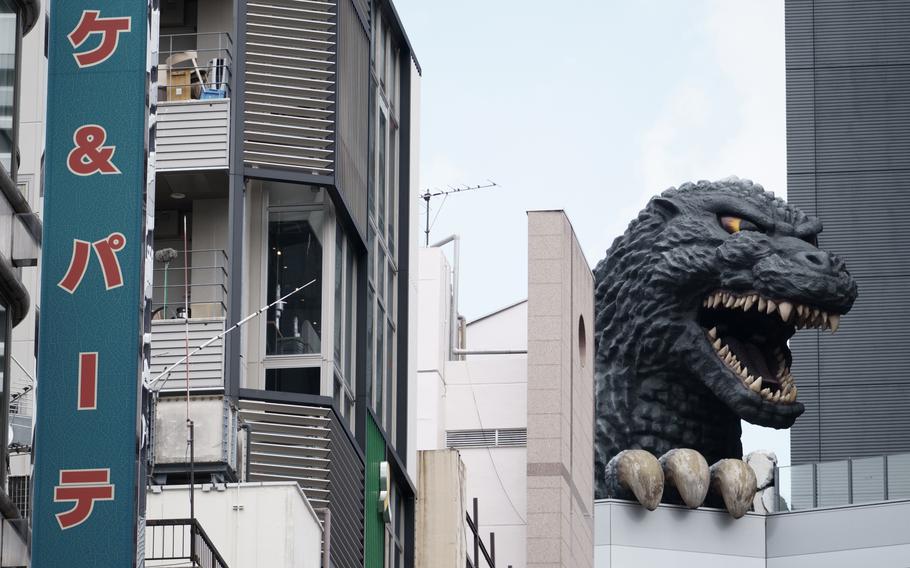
169,540
194,67
206,292
844,482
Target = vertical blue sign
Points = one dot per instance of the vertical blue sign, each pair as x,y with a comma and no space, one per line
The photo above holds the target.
95,267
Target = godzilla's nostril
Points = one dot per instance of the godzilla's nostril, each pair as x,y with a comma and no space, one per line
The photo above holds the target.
818,259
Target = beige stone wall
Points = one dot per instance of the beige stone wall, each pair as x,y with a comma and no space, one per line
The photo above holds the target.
440,527
560,496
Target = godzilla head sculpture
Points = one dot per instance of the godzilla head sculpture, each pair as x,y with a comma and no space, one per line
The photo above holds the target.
694,306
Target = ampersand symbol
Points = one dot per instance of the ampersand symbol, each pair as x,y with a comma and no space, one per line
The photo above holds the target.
90,156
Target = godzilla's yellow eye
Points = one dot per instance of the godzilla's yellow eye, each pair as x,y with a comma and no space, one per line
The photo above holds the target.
736,224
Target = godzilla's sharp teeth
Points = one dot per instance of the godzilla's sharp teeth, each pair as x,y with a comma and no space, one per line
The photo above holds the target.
717,344
762,304
749,378
729,359
756,384
794,393
718,299
799,310
740,302
766,393
785,309
771,307
712,333
729,301
737,367
747,305
776,397
834,322
724,351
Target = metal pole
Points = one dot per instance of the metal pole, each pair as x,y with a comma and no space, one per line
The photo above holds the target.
189,424
849,482
814,485
885,477
492,550
476,537
776,481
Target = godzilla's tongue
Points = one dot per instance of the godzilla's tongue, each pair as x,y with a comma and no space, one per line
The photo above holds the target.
752,356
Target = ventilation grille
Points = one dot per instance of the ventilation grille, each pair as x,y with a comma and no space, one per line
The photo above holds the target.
19,493
500,438
289,111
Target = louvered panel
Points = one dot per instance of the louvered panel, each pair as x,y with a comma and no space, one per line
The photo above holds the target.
290,85
512,437
193,135
206,368
306,444
499,438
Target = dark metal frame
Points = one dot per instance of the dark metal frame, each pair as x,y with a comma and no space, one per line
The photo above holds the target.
202,551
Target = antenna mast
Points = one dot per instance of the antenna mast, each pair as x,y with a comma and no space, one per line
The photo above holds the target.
428,195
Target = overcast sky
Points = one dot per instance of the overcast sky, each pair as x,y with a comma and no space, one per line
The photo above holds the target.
591,107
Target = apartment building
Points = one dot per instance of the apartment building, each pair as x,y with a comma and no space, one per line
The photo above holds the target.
286,176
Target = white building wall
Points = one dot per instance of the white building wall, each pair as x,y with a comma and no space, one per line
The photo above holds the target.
252,525
628,536
480,392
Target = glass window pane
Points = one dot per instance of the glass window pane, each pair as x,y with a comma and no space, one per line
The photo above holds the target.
371,253
350,275
8,37
293,326
383,176
371,305
380,361
390,378
393,188
303,380
380,277
390,298
371,181
339,295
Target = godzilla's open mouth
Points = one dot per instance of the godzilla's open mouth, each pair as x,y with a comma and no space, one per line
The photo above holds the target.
749,333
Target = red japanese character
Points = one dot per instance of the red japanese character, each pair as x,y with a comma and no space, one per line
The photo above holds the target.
90,156
91,23
82,487
105,250
88,381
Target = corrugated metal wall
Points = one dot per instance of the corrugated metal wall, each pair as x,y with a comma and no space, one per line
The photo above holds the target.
193,135
374,525
353,111
289,111
346,478
848,142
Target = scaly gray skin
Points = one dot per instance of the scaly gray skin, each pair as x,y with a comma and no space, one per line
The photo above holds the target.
659,382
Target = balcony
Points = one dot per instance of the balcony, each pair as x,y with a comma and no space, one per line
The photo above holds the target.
193,123
844,482
179,542
206,298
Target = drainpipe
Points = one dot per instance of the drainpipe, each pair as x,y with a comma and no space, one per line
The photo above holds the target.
453,317
490,351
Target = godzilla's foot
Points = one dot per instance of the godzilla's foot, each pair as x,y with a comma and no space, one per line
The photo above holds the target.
735,482
687,471
637,472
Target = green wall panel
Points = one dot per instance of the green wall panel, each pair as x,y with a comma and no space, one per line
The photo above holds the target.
374,549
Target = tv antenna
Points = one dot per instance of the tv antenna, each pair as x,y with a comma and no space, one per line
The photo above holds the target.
444,193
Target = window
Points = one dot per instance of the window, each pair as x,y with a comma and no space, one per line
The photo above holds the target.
9,38
303,380
343,337
294,325
382,229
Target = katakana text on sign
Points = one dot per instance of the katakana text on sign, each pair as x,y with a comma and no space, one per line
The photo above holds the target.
82,487
106,251
110,30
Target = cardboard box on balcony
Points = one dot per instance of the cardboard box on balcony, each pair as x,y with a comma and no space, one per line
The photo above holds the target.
179,85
